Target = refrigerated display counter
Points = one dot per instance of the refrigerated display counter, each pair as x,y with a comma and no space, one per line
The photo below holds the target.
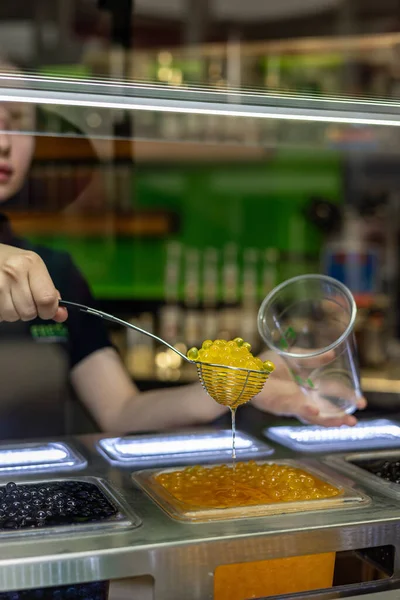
135,538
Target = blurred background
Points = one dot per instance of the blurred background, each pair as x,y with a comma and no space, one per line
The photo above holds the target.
182,223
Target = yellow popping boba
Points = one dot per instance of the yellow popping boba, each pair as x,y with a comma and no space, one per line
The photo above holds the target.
229,372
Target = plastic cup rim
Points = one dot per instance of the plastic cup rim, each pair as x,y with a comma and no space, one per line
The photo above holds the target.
345,291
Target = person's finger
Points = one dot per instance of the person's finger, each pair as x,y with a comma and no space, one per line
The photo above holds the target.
23,300
285,399
314,362
7,311
349,420
43,291
62,313
343,390
282,369
294,405
308,410
361,403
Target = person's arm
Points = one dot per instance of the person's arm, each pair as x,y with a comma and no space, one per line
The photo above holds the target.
104,386
98,375
27,291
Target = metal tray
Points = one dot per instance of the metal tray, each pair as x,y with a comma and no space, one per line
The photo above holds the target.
40,456
123,519
188,447
368,435
345,463
350,498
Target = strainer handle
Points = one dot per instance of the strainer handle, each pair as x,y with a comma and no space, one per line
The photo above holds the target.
107,317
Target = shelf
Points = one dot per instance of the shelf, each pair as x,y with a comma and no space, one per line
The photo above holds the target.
78,150
309,45
144,224
165,152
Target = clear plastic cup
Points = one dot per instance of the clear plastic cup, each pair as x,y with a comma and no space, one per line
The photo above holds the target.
309,321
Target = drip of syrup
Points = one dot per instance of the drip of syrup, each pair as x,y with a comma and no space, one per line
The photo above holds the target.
233,418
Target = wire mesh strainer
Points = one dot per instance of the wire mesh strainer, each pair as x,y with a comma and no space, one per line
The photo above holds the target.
229,386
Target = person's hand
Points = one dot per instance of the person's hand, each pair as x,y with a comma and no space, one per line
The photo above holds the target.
282,396
26,288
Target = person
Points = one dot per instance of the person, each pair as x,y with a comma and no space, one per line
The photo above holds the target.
34,278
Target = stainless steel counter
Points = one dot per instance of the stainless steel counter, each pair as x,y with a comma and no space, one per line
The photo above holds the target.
173,552
392,594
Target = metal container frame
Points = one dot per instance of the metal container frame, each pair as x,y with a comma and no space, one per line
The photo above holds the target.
344,463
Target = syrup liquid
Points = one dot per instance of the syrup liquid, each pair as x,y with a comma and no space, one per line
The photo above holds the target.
251,484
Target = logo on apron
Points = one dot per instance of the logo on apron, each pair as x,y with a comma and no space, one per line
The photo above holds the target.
50,332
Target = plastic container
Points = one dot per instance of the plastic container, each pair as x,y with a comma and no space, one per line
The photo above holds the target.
368,435
182,511
181,448
60,506
309,322
39,457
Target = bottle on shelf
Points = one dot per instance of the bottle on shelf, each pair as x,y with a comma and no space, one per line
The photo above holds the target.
192,324
140,348
168,363
248,318
373,347
210,293
348,258
269,271
229,317
170,313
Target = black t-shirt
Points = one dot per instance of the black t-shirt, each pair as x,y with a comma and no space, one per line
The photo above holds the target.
81,334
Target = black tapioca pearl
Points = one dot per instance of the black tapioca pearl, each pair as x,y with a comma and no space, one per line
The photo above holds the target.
10,524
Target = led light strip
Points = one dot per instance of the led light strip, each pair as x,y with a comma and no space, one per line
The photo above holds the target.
379,433
31,457
202,102
158,448
179,445
37,457
344,434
